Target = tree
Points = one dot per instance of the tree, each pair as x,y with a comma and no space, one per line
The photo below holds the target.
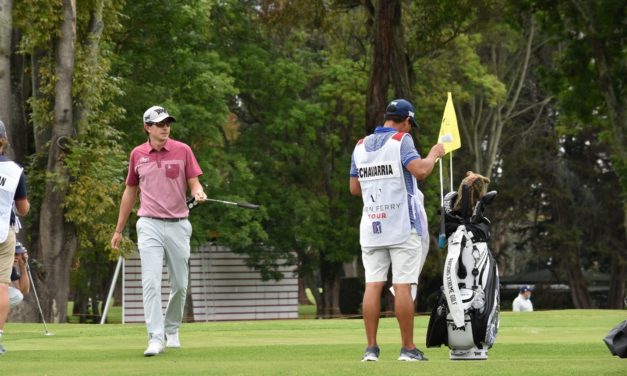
387,43
589,80
182,70
300,129
6,17
73,142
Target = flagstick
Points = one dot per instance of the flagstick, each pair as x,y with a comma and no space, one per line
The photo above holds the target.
451,156
441,184
442,235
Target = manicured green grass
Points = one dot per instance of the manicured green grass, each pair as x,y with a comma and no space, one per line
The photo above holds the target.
537,343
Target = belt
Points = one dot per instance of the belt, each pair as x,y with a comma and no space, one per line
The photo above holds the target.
168,219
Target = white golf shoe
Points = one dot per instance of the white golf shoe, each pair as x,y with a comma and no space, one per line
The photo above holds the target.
155,347
172,340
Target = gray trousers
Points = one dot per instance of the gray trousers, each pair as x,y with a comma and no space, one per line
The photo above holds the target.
157,240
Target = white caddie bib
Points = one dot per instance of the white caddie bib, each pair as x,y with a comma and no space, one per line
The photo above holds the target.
10,174
385,217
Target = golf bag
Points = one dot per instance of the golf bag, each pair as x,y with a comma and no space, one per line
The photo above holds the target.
466,315
616,340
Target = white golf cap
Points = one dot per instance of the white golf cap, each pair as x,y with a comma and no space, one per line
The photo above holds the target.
157,114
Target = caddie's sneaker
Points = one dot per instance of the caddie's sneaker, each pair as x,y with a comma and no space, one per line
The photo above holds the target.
172,340
2,350
155,347
371,354
413,355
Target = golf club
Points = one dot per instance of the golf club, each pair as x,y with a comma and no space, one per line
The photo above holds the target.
47,333
191,203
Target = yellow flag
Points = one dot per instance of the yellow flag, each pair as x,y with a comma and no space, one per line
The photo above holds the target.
449,133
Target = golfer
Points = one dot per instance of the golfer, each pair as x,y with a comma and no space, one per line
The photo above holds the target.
12,193
393,230
19,276
161,171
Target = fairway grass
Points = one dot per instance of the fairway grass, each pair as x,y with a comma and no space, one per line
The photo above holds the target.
537,343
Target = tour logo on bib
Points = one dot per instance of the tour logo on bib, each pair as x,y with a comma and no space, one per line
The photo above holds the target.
376,227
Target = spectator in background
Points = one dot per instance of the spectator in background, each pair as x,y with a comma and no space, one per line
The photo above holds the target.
522,303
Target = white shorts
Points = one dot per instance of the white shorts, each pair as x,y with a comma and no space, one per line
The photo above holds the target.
406,258
15,296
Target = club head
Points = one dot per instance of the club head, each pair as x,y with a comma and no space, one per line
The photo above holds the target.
48,334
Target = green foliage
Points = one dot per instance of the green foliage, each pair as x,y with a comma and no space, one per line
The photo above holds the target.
300,110
39,22
590,69
181,71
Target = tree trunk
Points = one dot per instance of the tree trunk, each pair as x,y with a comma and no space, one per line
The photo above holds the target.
578,287
310,282
302,292
399,61
21,134
92,42
376,96
57,237
330,273
26,311
6,20
616,298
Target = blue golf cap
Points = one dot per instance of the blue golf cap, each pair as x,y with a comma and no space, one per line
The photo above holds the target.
525,288
402,108
19,248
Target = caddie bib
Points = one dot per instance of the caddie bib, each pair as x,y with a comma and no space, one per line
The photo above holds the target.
385,217
10,174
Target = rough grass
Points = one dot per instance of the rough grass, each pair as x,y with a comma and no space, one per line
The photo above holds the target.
537,343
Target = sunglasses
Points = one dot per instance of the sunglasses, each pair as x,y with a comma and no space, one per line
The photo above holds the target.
160,125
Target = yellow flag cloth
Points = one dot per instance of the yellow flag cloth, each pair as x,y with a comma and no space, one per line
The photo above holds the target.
449,133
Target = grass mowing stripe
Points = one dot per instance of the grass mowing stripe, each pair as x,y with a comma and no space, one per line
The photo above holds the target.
550,343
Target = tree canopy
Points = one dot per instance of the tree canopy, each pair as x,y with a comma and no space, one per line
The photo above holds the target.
272,97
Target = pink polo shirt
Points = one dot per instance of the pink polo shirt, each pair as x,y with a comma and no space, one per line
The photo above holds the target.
162,178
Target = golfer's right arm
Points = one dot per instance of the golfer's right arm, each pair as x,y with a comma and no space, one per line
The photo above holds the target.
126,205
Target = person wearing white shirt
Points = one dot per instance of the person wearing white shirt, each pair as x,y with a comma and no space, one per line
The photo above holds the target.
522,303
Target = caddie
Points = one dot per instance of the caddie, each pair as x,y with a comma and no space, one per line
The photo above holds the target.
393,230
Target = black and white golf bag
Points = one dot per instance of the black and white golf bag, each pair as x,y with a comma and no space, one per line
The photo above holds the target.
466,315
